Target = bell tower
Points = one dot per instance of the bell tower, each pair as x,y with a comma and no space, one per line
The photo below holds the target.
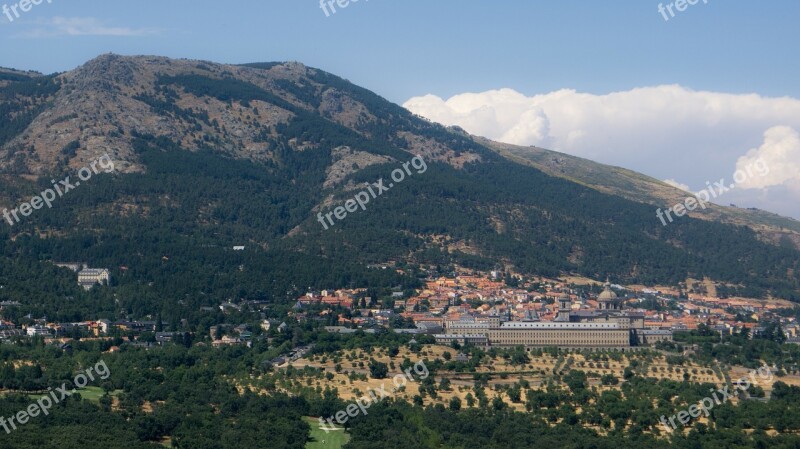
564,307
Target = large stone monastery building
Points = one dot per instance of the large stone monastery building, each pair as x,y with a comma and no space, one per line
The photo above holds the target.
607,327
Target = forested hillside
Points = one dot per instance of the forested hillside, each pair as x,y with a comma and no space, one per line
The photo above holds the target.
211,156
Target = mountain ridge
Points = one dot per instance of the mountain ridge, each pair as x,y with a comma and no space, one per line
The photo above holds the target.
215,155
644,189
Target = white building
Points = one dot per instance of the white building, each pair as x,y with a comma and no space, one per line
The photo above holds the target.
33,331
89,277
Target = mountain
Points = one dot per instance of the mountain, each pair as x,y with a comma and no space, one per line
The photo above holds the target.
210,156
645,189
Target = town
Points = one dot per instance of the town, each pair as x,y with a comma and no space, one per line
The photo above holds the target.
486,309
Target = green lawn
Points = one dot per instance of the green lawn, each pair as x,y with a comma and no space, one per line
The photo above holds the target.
89,393
334,439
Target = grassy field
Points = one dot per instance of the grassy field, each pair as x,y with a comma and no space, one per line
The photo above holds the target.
334,439
92,394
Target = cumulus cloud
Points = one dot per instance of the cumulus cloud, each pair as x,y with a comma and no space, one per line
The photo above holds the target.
779,154
669,132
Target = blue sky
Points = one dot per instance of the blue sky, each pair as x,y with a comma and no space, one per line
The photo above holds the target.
402,48
690,122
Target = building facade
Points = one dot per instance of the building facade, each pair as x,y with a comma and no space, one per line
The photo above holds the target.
89,277
608,327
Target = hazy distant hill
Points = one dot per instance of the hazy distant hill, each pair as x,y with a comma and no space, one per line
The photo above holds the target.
638,187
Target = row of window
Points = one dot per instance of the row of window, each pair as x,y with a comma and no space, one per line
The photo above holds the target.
556,338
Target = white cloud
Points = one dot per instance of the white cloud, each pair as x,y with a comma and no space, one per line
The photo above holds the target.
676,184
775,162
82,26
666,131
